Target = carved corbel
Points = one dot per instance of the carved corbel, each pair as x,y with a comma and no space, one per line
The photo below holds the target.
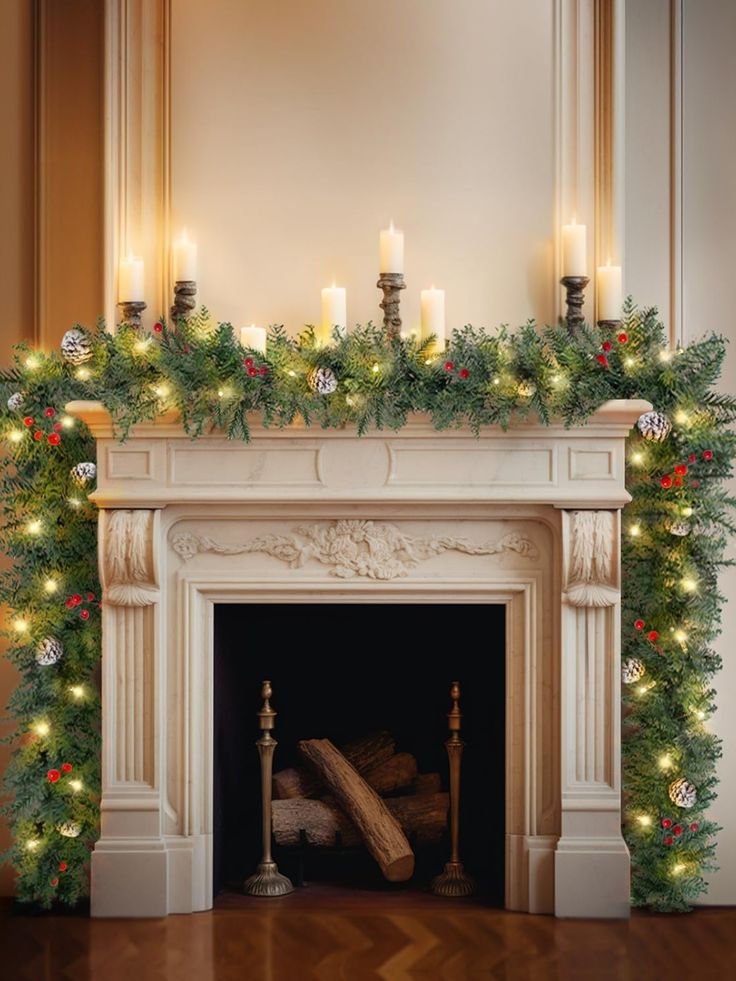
591,558
127,558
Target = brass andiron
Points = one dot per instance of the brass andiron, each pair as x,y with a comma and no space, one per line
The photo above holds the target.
185,299
267,880
392,284
454,881
132,311
575,298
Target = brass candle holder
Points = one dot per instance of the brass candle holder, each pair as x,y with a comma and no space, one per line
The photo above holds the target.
266,880
132,311
454,881
392,284
575,299
185,299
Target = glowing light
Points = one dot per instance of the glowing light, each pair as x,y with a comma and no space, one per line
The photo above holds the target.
140,347
74,502
689,585
67,422
687,512
42,728
700,714
76,785
681,417
83,374
679,868
642,690
51,585
496,380
644,820
428,361
32,363
635,531
629,362
637,458
291,373
349,401
20,625
15,435
665,355
34,527
162,391
680,636
375,369
32,844
77,691
665,762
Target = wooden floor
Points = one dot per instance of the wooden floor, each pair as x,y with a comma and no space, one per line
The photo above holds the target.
402,937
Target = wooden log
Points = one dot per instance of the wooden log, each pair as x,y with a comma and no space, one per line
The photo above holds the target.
364,753
427,783
379,829
424,816
394,773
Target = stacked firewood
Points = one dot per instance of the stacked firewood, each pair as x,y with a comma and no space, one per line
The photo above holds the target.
362,792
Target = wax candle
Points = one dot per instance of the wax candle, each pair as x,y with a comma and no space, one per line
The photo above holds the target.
574,259
391,251
185,259
609,292
254,338
334,312
432,302
130,280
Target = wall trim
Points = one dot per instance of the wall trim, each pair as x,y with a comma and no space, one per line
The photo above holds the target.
677,187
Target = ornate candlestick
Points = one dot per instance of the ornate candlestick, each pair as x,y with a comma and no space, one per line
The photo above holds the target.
185,293
267,880
132,310
392,284
575,288
454,881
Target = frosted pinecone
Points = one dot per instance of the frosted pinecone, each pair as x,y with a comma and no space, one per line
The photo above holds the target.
49,651
76,347
683,793
632,670
15,401
69,829
323,381
82,473
680,528
654,426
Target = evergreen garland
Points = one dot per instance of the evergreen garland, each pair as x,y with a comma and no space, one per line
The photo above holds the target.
675,536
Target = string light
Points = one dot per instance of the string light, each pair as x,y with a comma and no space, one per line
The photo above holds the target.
32,362
700,714
34,527
162,391
665,355
637,458
74,502
635,530
291,373
140,347
77,691
678,868
644,820
223,393
375,369
15,435
680,636
51,585
76,785
496,380
20,625
67,422
681,417
689,585
32,844
42,728
83,374
629,362
687,512
665,762
643,689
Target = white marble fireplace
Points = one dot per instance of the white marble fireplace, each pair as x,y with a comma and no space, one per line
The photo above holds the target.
529,519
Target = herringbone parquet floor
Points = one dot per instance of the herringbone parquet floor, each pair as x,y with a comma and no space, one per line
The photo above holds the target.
412,938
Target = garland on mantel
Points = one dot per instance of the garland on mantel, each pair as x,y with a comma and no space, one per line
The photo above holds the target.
675,534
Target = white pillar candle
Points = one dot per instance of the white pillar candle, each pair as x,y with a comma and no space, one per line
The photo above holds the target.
610,293
432,304
130,280
391,250
574,258
334,312
185,259
254,338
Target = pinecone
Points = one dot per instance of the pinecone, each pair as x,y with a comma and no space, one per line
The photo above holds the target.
84,472
76,347
632,670
69,829
683,793
49,651
654,426
680,528
322,381
15,401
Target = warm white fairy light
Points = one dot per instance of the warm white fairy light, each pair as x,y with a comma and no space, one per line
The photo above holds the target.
637,458
20,625
700,714
162,391
496,380
67,422
34,527
665,355
74,502
32,363
665,762
291,373
375,369
635,530
42,728
644,820
32,844
643,689
680,636
15,435
83,374
682,418
629,362
76,785
689,584
687,512
77,691
678,868
140,347
51,585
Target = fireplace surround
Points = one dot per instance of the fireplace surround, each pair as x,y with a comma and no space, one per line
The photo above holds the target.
528,518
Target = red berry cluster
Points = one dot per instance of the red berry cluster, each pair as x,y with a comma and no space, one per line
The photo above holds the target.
253,369
652,635
677,478
622,337
76,601
53,437
53,776
676,830
158,327
463,373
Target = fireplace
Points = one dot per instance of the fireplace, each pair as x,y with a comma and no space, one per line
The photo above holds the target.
527,520
328,682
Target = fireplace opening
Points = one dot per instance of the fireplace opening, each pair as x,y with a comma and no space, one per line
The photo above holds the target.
344,672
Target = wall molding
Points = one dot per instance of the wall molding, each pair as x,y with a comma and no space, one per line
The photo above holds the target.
677,217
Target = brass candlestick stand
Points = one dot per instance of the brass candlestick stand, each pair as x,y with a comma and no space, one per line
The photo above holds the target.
132,310
392,284
454,881
267,880
185,299
575,289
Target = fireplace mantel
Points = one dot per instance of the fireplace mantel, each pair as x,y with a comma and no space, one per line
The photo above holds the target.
529,518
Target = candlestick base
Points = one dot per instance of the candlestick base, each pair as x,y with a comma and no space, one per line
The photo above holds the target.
454,881
267,881
185,293
132,310
575,299
612,324
391,284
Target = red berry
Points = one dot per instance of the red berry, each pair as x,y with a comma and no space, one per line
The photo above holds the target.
57,427
76,599
63,866
707,454
263,370
252,372
28,421
695,826
38,435
602,359
49,413
639,624
669,840
90,597
67,767
158,327
70,603
681,469
692,458
623,337
666,823
678,481
695,484
84,614
54,882
53,776
606,345
677,829
653,636
449,365
54,439
464,373
248,362
666,481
